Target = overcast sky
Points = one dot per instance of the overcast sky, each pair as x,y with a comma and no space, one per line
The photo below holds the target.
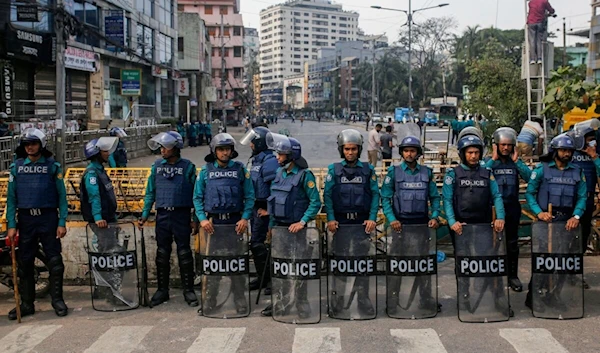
507,14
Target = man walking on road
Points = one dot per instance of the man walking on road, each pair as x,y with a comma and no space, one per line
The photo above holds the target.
374,144
386,146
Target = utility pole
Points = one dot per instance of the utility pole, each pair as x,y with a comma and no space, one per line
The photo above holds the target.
564,54
444,85
410,21
373,81
60,82
223,92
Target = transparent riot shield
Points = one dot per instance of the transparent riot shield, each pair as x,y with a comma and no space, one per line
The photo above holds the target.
112,254
352,280
411,273
481,274
557,271
408,129
296,276
225,273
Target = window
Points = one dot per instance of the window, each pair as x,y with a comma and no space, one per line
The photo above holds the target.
88,14
180,46
208,10
145,41
237,31
237,52
226,52
212,31
180,8
223,10
237,73
226,31
216,51
165,11
145,7
165,49
46,23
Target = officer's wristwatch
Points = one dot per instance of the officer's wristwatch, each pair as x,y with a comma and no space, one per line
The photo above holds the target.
577,217
303,223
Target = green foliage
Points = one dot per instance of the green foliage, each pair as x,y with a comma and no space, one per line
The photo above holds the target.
567,89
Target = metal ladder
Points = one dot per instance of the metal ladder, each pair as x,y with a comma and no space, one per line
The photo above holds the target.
536,82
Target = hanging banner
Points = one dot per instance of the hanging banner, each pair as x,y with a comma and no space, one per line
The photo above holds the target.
79,59
114,29
184,87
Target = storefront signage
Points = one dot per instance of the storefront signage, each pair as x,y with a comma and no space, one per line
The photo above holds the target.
210,94
160,72
184,87
79,59
30,46
27,13
114,29
131,82
7,88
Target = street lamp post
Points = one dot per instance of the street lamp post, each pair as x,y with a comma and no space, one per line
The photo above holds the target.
409,14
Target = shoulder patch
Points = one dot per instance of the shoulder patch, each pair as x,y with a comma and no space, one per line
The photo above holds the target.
533,175
448,180
247,175
93,180
328,178
492,177
583,178
387,180
59,176
310,184
374,177
11,177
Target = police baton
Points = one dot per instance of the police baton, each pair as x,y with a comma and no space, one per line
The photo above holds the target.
13,254
262,277
206,244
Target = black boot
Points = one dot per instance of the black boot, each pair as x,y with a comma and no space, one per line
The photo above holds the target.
515,284
163,269
26,291
186,270
57,270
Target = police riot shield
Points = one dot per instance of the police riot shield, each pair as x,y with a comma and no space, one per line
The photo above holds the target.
225,273
352,280
296,276
481,274
411,273
112,254
557,271
408,129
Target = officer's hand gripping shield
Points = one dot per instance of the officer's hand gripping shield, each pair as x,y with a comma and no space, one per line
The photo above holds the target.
296,276
411,273
481,274
352,279
112,254
557,271
225,273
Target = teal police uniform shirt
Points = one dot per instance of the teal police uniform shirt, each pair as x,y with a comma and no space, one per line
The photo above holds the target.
330,183
311,190
389,187
200,187
150,196
11,202
448,195
536,180
93,191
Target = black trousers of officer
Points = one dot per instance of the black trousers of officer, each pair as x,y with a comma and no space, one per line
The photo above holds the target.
352,245
423,282
225,246
260,227
511,230
586,221
39,226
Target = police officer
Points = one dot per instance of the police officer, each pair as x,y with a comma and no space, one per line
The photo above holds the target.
350,202
118,159
264,168
295,184
507,167
587,159
561,183
171,186
223,195
410,178
192,134
37,208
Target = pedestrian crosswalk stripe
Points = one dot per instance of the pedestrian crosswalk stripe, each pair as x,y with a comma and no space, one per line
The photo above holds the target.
218,340
317,340
25,338
532,340
122,339
417,341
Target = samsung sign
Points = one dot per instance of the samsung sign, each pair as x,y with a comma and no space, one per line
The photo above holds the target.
7,87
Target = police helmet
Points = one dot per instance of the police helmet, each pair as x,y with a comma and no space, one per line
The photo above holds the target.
258,137
118,132
411,141
222,139
562,141
3,116
33,135
469,141
349,136
470,131
279,143
108,144
587,127
168,140
505,133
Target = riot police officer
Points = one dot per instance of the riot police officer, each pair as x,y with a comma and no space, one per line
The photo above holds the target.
37,208
561,183
351,196
507,167
224,195
405,192
264,168
118,159
171,186
296,186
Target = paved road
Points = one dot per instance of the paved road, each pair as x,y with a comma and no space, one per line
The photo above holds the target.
319,143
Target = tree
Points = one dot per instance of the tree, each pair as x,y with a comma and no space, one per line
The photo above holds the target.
567,89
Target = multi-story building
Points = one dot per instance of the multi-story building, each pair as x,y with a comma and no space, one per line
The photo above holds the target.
226,32
194,54
251,45
251,68
294,89
119,60
292,33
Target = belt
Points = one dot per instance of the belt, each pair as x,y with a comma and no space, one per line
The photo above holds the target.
225,216
171,209
351,216
36,212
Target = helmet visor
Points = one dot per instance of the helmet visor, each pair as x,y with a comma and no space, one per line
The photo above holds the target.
162,140
117,131
279,143
108,144
250,135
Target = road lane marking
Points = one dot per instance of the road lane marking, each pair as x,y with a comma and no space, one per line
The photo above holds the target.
218,340
24,338
417,341
532,340
317,340
122,339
